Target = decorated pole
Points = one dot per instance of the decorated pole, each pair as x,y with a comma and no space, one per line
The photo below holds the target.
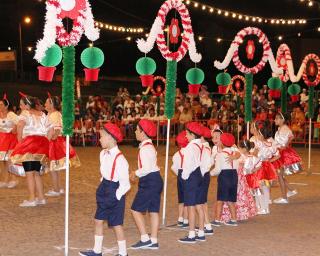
233,54
187,44
80,12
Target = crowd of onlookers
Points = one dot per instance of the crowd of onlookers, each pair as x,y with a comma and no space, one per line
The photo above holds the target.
225,110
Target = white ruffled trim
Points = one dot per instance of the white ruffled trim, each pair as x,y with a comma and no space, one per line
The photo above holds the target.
146,46
223,65
194,56
91,32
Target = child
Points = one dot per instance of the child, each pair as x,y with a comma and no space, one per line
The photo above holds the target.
192,177
177,163
227,180
205,171
291,161
150,186
57,146
111,192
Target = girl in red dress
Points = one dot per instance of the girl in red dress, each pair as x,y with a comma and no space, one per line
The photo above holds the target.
32,150
8,140
57,146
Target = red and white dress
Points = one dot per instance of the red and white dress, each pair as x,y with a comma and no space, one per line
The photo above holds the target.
291,161
266,152
251,166
57,147
245,205
8,140
34,145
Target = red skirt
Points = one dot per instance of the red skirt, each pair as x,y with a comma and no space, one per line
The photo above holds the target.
31,148
253,180
57,154
8,141
277,164
269,172
289,156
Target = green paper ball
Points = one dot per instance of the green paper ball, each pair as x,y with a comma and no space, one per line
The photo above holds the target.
195,76
92,57
223,79
274,83
294,89
53,56
146,66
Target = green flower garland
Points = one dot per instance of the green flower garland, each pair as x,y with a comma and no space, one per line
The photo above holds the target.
311,102
171,78
284,97
248,98
68,89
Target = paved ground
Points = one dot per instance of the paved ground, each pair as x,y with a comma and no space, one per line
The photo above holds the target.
289,230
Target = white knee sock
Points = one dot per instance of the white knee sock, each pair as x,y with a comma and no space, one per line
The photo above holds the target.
266,197
122,248
98,244
145,238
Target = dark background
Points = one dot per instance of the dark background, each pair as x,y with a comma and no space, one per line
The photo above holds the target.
121,55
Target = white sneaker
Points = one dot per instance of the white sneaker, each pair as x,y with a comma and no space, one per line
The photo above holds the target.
263,212
12,184
3,185
40,202
52,193
281,201
292,193
27,203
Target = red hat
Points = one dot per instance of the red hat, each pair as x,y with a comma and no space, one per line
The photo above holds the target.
114,131
149,127
194,128
227,139
206,132
182,140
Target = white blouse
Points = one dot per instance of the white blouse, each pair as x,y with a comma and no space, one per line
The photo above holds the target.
34,125
55,120
8,123
251,163
283,136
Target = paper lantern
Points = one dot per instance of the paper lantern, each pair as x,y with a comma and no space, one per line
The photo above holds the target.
223,79
146,66
53,56
274,83
294,89
195,76
92,57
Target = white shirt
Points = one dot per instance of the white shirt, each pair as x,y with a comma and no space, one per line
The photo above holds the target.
267,151
192,153
34,125
177,161
8,123
205,158
251,164
215,150
282,136
148,159
121,171
221,161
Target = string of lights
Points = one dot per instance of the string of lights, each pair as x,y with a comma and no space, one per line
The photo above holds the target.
310,3
244,17
116,28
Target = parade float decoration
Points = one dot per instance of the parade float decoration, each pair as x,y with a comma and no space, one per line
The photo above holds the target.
79,11
195,77
233,54
223,80
187,44
294,91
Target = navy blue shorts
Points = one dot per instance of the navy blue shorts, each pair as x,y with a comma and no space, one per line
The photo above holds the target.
192,188
180,183
204,188
109,208
149,192
228,186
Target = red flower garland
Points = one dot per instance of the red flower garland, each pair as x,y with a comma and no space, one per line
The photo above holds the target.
316,59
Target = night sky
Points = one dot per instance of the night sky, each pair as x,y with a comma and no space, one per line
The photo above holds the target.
121,54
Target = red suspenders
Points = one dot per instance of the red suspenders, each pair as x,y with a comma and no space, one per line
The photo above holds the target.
200,148
182,157
114,165
229,154
139,159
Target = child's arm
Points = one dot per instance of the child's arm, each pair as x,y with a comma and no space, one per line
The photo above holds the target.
124,182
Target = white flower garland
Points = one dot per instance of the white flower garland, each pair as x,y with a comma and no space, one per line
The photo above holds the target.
156,34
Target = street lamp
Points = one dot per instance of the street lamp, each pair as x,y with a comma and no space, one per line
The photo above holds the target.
26,20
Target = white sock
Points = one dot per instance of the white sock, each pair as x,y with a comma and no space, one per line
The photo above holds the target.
266,193
192,234
122,248
145,238
208,226
180,219
98,244
185,221
259,203
200,233
154,240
